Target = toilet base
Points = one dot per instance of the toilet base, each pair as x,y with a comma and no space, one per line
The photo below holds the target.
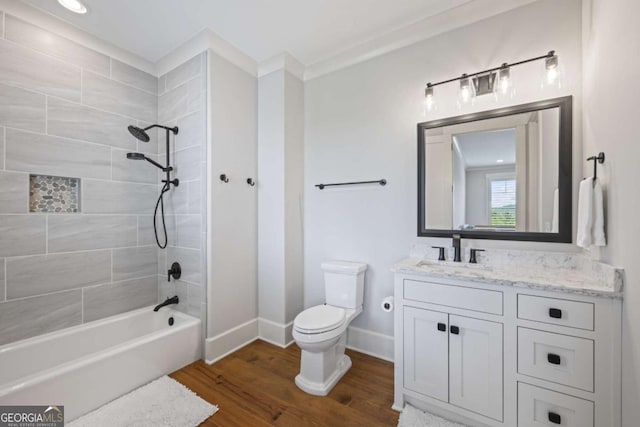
323,388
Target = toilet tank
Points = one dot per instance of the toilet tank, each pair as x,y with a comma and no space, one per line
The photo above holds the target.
344,283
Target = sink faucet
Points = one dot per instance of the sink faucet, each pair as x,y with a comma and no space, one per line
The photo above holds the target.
456,248
168,301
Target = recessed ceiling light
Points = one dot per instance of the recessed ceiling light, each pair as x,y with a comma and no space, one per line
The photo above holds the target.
74,6
499,161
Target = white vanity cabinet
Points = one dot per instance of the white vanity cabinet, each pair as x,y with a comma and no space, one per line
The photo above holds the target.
495,355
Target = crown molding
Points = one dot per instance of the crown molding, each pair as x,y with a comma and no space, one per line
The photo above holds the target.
429,27
65,29
284,61
206,40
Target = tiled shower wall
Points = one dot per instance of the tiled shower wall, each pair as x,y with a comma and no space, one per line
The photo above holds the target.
182,103
64,111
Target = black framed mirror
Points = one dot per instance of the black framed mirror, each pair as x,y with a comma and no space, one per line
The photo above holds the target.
503,174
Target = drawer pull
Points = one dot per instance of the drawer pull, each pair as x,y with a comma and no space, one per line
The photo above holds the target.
454,330
556,313
555,418
554,359
442,327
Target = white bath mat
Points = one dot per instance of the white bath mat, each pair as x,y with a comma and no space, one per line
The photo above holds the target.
161,403
412,417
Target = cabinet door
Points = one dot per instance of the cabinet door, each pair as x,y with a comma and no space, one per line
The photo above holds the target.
426,352
475,371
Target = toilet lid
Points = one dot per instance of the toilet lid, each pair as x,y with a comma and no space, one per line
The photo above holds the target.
321,318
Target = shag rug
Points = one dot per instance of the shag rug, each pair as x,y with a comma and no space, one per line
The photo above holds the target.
412,417
161,403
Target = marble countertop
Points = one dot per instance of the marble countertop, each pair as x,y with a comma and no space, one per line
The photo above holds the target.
585,277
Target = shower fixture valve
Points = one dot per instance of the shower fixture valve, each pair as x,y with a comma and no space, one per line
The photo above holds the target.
174,272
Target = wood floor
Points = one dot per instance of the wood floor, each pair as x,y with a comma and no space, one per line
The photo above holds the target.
255,387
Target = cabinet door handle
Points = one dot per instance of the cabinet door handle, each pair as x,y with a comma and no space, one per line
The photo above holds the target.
454,330
556,313
554,359
442,327
555,418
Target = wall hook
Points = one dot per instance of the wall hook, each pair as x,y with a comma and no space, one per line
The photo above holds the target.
224,178
251,182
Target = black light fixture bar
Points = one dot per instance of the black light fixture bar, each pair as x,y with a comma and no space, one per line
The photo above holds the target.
490,70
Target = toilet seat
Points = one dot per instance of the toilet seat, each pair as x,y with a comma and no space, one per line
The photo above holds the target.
319,319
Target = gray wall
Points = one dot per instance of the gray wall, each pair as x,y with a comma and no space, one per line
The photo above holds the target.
182,103
64,111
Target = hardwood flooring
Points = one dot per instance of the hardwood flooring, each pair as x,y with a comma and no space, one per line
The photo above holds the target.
255,387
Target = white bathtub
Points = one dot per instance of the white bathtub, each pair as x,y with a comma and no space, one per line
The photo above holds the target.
86,366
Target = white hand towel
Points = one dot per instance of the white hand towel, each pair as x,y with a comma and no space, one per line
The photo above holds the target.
556,202
585,213
598,215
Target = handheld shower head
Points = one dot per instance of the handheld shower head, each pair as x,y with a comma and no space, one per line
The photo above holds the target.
139,133
136,156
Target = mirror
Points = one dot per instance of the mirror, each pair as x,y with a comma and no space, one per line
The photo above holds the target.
501,174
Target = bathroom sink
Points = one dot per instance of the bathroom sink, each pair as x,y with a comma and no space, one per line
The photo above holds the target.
452,265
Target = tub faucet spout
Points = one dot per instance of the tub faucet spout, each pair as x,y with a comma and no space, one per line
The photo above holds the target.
168,301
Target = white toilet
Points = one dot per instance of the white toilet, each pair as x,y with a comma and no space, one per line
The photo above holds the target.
321,331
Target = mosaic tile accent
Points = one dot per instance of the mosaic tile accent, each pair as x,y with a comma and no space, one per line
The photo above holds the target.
54,194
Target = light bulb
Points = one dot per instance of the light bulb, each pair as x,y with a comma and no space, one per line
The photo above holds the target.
504,86
74,6
466,94
429,100
552,71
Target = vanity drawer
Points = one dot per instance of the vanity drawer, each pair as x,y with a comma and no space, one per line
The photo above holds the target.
573,314
482,300
557,358
539,407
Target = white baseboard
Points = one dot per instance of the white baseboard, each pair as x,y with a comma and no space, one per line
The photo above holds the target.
227,342
275,333
372,343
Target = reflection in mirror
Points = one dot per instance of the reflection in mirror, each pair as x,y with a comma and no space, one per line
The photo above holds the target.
496,175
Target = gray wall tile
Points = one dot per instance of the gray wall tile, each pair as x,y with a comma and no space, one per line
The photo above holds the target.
173,104
123,169
183,73
14,192
22,235
2,282
118,197
132,76
85,232
145,230
34,71
195,96
131,263
29,317
119,297
42,274
76,121
193,130
109,95
22,109
188,231
36,153
189,260
1,148
196,298
195,197
52,44
162,84
187,163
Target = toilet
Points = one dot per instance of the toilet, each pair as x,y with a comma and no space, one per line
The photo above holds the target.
321,331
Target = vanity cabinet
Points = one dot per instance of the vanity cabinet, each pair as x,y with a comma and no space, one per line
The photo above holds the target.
492,355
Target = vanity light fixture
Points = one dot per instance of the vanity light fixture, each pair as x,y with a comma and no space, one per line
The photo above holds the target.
75,6
497,81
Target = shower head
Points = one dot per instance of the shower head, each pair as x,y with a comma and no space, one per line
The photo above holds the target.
136,156
139,133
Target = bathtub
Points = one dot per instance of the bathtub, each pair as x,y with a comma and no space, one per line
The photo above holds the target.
86,366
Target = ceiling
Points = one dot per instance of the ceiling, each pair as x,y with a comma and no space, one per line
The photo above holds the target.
483,149
310,30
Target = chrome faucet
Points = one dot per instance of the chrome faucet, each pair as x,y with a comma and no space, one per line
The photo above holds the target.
168,301
456,248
